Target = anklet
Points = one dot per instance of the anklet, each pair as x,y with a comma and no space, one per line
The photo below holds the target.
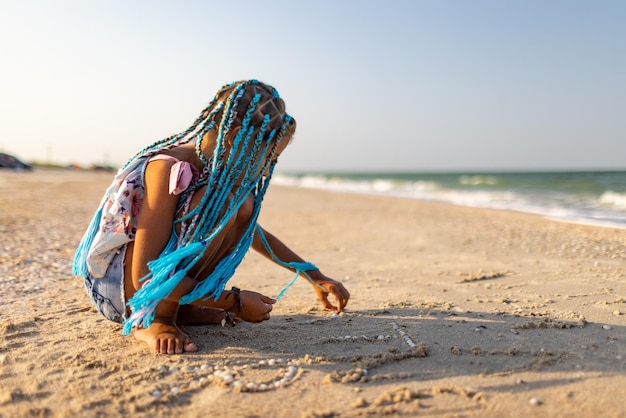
227,319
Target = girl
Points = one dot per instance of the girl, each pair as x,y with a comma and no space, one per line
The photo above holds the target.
179,218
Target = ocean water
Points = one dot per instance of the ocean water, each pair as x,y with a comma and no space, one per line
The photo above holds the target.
586,197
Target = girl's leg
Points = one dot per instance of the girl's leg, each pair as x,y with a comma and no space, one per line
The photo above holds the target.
198,315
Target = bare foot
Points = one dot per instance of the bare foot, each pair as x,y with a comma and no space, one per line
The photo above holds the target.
165,338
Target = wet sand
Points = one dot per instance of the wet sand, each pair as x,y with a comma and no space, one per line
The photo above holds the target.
454,312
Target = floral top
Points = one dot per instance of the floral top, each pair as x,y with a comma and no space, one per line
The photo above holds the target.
120,208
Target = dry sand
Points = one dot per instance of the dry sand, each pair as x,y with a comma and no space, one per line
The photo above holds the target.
454,312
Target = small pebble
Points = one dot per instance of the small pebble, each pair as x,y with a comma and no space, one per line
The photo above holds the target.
205,367
535,401
607,327
271,362
617,312
175,390
157,394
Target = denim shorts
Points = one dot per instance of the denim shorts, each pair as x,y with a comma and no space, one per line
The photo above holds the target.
107,293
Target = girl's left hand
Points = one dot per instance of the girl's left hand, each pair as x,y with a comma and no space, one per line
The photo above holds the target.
327,286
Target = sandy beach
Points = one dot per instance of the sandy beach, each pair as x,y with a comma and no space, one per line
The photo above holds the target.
455,312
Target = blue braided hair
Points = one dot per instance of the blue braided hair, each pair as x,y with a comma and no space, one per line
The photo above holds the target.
249,120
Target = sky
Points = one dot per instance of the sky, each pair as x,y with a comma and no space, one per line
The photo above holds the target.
374,85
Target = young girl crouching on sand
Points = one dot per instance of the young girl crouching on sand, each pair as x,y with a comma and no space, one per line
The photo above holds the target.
179,218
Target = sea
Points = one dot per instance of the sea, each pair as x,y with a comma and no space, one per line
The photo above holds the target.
584,197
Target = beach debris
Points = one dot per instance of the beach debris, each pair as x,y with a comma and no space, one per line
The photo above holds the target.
545,323
403,335
360,338
233,377
480,277
360,403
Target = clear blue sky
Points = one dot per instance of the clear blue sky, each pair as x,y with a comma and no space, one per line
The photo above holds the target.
374,85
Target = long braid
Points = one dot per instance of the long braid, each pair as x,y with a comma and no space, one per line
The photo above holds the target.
231,174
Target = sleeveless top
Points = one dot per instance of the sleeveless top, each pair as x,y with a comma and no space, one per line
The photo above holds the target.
120,208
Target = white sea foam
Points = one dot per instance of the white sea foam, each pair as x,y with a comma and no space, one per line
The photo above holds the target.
608,209
610,198
477,180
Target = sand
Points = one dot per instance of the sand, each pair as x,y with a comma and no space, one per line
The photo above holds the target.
455,312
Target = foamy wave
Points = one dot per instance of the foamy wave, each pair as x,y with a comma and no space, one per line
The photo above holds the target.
613,199
377,186
478,180
607,210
